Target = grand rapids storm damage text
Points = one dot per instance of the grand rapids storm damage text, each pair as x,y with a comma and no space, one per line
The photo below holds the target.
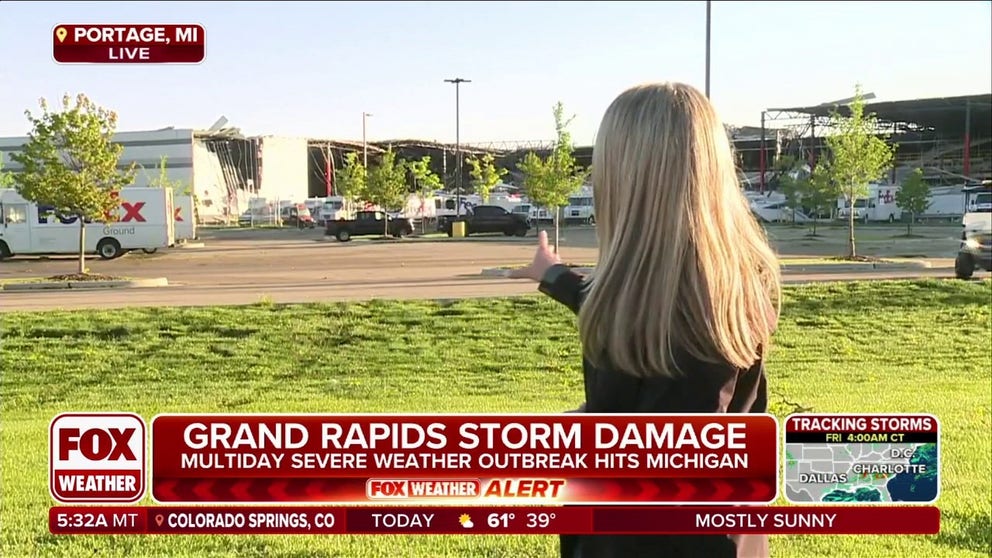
551,445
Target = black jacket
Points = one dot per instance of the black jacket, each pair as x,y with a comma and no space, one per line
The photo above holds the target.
705,388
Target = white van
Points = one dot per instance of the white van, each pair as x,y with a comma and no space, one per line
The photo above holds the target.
145,221
580,209
184,215
880,205
978,207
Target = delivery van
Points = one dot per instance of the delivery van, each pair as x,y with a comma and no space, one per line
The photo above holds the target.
145,221
185,217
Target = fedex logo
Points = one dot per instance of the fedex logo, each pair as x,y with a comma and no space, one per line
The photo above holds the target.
377,489
131,211
97,457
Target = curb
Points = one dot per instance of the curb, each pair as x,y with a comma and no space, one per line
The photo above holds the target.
190,245
86,285
854,267
502,272
786,269
480,239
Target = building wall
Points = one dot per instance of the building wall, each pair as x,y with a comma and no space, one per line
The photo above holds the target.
220,191
144,148
213,201
284,169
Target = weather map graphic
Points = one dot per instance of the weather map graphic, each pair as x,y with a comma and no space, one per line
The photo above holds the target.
869,463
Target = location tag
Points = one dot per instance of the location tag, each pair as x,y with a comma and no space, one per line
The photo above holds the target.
61,33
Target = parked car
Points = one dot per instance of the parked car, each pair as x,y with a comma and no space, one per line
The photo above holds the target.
294,215
489,219
368,223
298,216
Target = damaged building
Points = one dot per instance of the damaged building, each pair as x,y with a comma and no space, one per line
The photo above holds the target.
223,169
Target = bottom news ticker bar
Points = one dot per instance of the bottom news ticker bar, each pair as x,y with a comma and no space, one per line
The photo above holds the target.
311,520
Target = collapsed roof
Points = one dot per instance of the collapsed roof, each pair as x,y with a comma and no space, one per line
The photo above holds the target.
944,115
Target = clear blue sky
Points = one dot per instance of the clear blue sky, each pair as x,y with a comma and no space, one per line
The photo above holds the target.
311,69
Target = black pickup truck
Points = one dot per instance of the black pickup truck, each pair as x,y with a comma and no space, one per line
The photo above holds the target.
368,223
489,219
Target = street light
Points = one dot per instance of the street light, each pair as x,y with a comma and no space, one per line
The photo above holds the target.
707,49
365,147
458,147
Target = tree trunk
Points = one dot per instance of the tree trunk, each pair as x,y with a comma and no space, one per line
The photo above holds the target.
82,245
851,252
385,224
557,212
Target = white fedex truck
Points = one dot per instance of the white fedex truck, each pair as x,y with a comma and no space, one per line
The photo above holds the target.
184,216
880,205
145,221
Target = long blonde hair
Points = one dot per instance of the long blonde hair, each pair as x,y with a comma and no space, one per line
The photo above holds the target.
683,265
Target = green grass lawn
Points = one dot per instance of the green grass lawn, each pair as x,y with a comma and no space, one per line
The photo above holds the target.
854,347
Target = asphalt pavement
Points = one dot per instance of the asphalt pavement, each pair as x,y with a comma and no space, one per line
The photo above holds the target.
246,267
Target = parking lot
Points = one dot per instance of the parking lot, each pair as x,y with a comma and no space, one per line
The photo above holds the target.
237,266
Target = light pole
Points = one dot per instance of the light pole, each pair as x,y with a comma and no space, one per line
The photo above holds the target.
707,49
365,146
458,147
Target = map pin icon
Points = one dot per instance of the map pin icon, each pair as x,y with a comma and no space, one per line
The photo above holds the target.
159,519
61,33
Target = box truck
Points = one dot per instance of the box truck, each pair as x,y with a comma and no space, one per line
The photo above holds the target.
185,218
880,205
145,221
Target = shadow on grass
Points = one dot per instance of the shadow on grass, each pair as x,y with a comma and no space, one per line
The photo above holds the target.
807,302
966,532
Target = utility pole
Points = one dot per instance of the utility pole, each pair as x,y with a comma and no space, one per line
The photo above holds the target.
458,147
365,146
707,49
329,171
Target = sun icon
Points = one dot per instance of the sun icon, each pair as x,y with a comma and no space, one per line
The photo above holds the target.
466,521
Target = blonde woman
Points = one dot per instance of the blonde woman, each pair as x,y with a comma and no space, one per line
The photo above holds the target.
684,298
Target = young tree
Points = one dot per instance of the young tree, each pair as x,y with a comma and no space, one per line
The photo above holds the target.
555,179
914,197
565,176
351,179
6,178
790,186
387,184
535,178
486,175
162,180
425,180
818,194
857,156
70,163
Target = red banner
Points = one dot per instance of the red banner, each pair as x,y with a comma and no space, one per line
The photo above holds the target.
128,44
464,459
285,520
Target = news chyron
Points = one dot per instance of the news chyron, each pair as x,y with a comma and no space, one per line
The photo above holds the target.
442,474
